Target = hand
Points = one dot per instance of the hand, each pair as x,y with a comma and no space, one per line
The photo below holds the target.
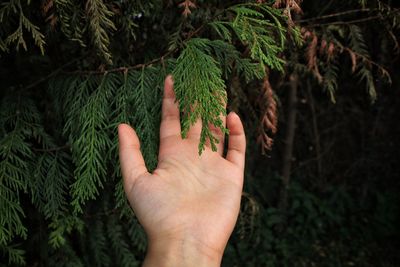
189,205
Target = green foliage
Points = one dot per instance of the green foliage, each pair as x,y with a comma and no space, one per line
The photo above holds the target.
357,44
15,8
368,78
254,25
146,102
320,231
88,150
99,25
69,15
254,29
19,122
50,182
87,66
116,234
13,254
60,227
197,70
330,82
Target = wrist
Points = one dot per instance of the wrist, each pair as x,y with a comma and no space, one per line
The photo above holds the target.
181,252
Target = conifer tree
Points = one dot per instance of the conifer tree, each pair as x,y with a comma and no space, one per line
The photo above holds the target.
73,70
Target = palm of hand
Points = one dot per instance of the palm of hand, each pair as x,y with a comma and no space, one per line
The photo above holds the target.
187,196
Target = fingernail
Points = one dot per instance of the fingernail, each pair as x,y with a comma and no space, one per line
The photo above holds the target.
170,78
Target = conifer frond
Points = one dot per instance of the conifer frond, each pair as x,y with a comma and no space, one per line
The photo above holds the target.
69,15
137,102
18,35
357,41
73,98
295,33
137,235
60,227
98,243
66,257
365,75
15,255
200,90
175,39
37,36
90,141
329,81
227,56
145,105
358,45
121,202
122,114
222,29
122,250
100,24
255,29
250,70
21,129
3,46
17,119
50,183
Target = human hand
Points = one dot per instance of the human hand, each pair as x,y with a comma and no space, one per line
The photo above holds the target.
189,205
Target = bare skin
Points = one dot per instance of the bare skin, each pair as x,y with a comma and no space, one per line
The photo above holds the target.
189,205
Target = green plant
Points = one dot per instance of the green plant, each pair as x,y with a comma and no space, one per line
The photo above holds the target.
71,71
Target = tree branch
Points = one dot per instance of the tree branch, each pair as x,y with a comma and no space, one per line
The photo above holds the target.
52,149
289,141
317,141
141,65
348,12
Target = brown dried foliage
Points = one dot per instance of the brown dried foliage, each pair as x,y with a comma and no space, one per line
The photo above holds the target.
289,6
269,120
46,6
48,12
293,5
311,52
353,58
331,51
187,5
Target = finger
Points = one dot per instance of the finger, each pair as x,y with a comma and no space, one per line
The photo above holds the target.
218,133
131,159
195,130
170,123
237,140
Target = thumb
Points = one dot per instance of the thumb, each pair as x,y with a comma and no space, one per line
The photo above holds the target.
131,159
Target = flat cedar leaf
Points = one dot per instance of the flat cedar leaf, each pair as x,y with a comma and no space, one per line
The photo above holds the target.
200,90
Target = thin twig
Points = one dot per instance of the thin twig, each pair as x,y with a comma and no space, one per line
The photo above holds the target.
384,72
317,141
52,149
343,13
122,69
105,213
141,65
289,141
347,22
335,15
51,74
